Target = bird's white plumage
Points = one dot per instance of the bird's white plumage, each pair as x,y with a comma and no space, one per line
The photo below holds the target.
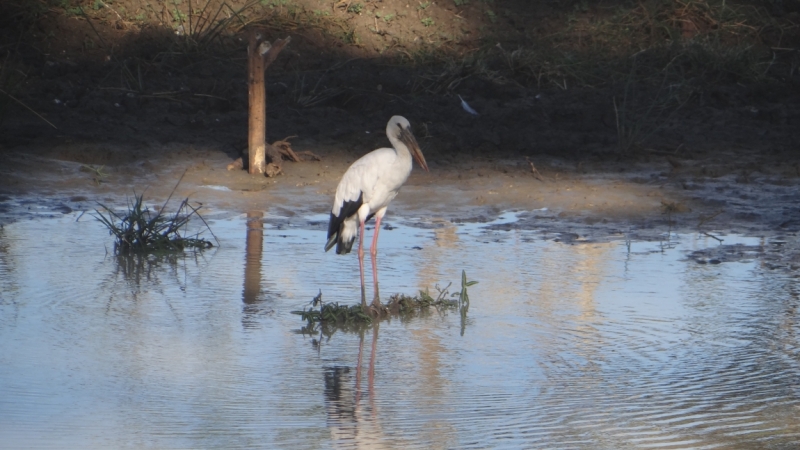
377,176
374,181
367,188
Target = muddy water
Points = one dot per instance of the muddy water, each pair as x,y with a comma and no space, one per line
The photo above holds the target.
568,343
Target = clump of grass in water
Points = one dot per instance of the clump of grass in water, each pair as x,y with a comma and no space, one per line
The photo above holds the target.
141,230
334,315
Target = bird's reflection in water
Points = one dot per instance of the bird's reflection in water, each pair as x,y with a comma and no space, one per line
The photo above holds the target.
340,402
348,419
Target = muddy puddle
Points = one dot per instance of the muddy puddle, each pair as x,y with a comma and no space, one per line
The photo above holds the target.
674,341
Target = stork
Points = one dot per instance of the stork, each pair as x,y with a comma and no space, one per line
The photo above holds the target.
366,189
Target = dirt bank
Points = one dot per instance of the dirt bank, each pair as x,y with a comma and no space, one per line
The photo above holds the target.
118,98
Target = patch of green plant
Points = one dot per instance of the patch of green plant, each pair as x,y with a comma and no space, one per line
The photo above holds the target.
74,11
386,17
98,175
142,230
491,15
206,24
427,21
424,5
463,299
461,2
333,315
350,37
355,8
178,16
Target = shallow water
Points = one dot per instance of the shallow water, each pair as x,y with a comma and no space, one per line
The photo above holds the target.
568,343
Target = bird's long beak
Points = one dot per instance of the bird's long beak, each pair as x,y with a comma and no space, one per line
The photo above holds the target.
407,138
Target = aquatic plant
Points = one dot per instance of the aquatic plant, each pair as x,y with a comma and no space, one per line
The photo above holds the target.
141,230
334,315
463,299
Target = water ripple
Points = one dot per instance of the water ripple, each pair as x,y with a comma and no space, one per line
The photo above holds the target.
568,344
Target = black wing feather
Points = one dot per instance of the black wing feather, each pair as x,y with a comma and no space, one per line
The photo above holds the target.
349,208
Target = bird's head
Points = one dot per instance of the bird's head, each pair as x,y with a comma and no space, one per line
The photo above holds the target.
399,129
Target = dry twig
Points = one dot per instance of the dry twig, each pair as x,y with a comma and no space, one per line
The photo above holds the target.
535,172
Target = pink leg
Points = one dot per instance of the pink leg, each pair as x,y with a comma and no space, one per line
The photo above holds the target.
361,265
372,358
373,252
358,369
374,249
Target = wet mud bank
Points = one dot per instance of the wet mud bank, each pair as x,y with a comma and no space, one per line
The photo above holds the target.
645,199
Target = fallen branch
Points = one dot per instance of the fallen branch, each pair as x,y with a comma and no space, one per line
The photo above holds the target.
535,172
27,107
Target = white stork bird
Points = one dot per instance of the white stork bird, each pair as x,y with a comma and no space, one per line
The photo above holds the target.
366,189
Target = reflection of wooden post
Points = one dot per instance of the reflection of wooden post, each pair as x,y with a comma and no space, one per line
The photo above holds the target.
260,54
252,261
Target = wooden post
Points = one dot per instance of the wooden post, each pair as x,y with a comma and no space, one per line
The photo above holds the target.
258,106
260,54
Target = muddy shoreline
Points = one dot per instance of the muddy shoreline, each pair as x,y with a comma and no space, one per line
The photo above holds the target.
598,200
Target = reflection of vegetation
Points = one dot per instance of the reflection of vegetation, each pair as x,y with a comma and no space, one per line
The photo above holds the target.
328,317
141,230
137,268
463,299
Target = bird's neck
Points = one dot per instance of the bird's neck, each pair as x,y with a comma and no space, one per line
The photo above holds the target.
403,154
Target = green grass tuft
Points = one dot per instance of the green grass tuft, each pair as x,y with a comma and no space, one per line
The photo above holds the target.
141,230
332,316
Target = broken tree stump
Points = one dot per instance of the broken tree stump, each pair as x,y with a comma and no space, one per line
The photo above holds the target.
260,54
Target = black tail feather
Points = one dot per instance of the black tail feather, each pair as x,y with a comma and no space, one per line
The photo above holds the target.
336,224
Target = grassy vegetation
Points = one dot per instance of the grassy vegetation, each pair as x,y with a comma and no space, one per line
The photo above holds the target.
141,230
590,45
688,44
652,57
332,316
714,40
